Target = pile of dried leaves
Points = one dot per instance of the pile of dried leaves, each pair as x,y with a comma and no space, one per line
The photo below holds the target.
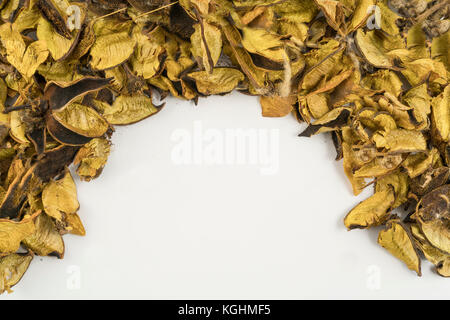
374,74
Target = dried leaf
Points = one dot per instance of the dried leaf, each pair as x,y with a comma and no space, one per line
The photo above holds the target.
82,120
276,106
92,158
46,239
12,232
12,269
60,197
220,81
397,240
371,212
130,109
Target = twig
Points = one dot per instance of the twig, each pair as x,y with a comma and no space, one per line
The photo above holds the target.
424,16
153,11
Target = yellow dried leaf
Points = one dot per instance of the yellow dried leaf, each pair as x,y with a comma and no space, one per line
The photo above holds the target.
46,239
221,80
264,43
372,212
440,49
379,166
443,268
12,269
58,46
34,56
92,158
27,18
146,58
333,11
349,164
331,121
75,225
398,180
12,41
317,105
276,106
437,233
385,122
401,140
417,163
388,18
371,46
82,120
113,44
441,114
25,59
210,39
242,57
440,259
433,215
130,109
396,239
361,14
12,232
60,196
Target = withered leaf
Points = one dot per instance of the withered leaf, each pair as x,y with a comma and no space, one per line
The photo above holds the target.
60,197
441,114
46,239
220,81
397,240
25,59
60,95
82,120
433,215
12,232
92,158
55,16
264,43
74,224
58,46
401,140
371,212
374,74
130,109
146,59
210,39
276,106
333,120
440,259
12,269
111,47
371,46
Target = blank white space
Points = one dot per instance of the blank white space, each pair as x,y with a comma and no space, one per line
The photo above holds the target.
156,230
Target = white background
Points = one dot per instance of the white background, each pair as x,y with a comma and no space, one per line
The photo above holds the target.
157,230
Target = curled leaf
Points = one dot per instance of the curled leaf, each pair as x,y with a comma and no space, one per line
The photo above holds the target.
92,158
12,232
130,109
397,240
333,120
60,197
12,269
46,239
220,81
371,212
82,120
